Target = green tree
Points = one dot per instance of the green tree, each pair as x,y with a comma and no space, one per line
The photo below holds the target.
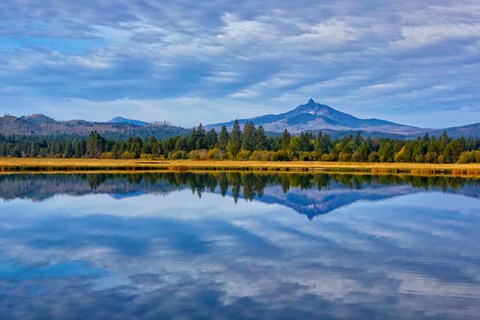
95,145
200,138
235,142
249,135
223,138
306,142
261,139
285,140
362,152
385,153
211,139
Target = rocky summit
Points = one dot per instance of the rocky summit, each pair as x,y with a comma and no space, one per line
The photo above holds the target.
314,117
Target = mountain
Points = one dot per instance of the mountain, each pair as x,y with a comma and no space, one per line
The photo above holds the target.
471,130
117,128
128,121
311,117
314,117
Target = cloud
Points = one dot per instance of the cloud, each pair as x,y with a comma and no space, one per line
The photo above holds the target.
275,54
424,35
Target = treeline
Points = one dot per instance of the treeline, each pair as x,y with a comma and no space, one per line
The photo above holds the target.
251,143
254,184
237,184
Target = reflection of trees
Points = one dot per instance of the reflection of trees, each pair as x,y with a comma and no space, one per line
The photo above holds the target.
248,185
94,180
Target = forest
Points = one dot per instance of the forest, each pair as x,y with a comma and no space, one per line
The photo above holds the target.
249,185
251,143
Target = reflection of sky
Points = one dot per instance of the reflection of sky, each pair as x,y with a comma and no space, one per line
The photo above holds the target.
150,256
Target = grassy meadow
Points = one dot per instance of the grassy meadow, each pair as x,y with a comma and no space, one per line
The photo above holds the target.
9,165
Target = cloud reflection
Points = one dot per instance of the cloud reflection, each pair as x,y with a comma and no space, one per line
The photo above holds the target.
177,255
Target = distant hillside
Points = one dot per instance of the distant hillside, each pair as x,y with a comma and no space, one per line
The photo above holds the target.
128,121
41,125
314,117
471,130
309,117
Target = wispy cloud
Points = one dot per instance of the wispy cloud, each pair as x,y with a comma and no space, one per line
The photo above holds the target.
369,59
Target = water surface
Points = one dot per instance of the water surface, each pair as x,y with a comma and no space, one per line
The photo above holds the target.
239,246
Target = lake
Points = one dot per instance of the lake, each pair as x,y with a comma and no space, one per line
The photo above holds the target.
238,246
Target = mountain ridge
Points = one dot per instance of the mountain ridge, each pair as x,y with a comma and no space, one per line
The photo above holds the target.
128,121
41,125
310,117
314,117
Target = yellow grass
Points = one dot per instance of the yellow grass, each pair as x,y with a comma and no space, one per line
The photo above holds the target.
46,165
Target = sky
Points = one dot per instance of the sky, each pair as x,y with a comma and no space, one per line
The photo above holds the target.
186,61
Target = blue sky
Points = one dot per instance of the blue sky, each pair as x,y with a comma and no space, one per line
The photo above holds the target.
413,62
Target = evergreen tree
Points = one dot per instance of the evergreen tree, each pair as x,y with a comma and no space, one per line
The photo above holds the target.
95,145
285,140
261,139
306,142
235,142
211,139
249,135
200,138
223,139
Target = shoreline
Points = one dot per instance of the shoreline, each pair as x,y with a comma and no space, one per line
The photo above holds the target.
45,165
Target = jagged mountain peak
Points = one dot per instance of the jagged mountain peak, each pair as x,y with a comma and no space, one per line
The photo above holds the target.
314,116
313,107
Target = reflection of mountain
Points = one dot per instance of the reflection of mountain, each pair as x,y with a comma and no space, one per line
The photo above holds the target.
315,202
42,187
308,194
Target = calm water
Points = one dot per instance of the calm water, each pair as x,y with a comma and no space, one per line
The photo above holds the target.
238,246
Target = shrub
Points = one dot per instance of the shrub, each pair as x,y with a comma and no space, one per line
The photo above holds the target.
280,155
328,157
243,155
441,159
200,154
431,157
315,156
107,155
305,156
215,154
260,155
177,155
344,156
469,157
128,155
145,156
373,157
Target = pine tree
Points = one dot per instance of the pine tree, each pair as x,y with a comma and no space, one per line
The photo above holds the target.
285,140
249,134
260,139
95,145
235,139
236,136
223,139
211,139
200,138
